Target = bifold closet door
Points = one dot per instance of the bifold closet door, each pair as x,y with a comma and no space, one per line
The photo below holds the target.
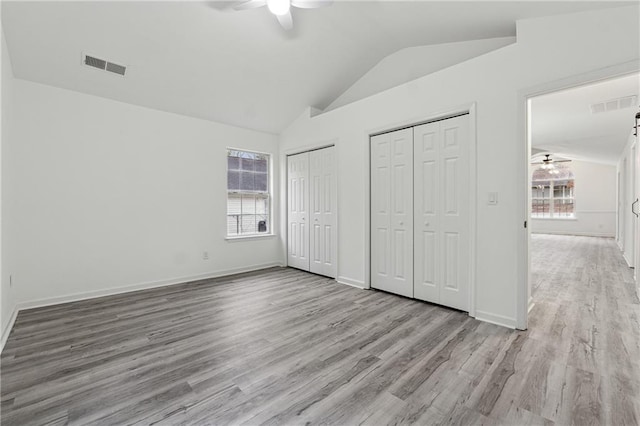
322,202
441,170
298,211
312,211
392,212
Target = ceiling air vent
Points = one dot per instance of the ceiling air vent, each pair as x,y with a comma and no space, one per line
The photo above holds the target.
118,69
614,104
94,62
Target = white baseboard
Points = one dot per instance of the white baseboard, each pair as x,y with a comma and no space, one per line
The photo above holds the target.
496,319
140,286
624,256
8,328
353,283
577,234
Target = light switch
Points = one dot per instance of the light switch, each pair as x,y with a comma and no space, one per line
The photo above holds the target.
492,199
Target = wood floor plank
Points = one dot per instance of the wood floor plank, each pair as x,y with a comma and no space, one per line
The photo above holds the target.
281,346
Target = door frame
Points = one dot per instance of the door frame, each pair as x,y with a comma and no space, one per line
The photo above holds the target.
284,204
468,108
634,223
523,300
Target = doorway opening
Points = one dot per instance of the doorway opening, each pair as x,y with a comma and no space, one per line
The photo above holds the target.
582,184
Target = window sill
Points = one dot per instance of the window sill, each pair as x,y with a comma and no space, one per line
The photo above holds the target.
555,218
250,237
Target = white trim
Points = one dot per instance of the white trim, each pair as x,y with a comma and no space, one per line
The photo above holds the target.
251,237
531,304
7,329
468,108
496,319
577,234
284,202
353,283
624,256
473,202
140,286
310,147
596,211
524,154
270,195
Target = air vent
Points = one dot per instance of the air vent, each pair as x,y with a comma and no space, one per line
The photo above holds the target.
614,104
94,62
118,69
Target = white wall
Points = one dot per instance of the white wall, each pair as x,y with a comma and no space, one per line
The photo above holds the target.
595,203
548,50
109,195
7,296
626,237
414,62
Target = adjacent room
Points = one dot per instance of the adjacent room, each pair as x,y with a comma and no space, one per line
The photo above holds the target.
319,212
582,180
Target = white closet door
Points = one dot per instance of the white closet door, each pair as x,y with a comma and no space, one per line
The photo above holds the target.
323,200
298,210
392,212
441,156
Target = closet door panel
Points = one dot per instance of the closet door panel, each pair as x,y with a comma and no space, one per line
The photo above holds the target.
427,218
392,212
323,211
454,291
298,211
316,240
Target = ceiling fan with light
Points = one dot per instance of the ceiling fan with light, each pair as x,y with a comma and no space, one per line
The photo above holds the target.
548,162
282,8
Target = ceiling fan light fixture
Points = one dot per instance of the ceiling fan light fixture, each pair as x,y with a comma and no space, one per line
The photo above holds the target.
279,7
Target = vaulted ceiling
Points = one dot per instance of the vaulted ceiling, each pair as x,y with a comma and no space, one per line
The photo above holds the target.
575,123
203,59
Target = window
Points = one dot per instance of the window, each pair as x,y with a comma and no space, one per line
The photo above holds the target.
552,192
248,197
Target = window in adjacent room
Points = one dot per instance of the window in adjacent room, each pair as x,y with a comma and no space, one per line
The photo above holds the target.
552,193
248,197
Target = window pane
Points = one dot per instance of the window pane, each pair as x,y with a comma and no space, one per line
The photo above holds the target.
247,181
540,190
540,208
261,165
248,164
233,180
261,182
248,197
563,208
233,163
233,224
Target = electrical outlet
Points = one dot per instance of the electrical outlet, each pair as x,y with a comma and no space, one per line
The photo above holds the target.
205,255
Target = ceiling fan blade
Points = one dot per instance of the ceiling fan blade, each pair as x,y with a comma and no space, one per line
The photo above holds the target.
561,161
310,4
250,4
285,20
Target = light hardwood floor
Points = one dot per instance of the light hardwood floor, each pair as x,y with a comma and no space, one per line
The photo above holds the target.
282,346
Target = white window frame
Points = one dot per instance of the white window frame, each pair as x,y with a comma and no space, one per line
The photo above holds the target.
552,199
268,195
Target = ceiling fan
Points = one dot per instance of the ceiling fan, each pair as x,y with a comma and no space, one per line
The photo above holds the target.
548,161
282,8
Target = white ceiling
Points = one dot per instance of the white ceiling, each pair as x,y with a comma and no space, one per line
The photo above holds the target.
562,122
204,60
414,62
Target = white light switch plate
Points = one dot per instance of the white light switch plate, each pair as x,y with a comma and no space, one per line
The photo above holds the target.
492,199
